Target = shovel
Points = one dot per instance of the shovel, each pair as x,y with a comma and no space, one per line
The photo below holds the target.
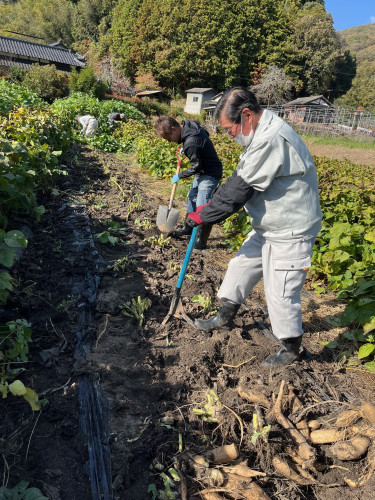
167,217
176,308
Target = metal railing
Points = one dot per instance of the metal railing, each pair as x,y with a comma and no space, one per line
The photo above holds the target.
329,122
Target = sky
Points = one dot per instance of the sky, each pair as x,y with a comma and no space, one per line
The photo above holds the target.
350,13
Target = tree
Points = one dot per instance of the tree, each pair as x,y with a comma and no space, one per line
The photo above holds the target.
47,82
146,81
50,20
314,50
87,82
274,87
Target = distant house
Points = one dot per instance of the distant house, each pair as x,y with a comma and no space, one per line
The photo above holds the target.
307,109
210,106
21,53
160,95
196,99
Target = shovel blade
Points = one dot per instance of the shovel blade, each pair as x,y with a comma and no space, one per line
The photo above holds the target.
166,220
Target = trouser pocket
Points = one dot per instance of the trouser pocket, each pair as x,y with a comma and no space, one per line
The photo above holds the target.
290,265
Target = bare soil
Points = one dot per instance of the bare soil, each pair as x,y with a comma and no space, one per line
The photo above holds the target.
166,393
355,155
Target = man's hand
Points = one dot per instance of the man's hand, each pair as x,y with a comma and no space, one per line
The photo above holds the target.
175,178
194,218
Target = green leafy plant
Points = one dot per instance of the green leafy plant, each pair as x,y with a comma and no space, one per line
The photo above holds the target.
144,224
259,430
136,308
121,265
106,237
205,302
211,409
21,492
134,205
14,348
158,241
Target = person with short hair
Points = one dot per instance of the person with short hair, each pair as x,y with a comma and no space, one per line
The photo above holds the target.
89,124
205,166
276,181
114,118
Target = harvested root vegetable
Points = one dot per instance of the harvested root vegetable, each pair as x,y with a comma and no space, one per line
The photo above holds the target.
314,424
347,417
210,495
199,460
365,478
223,454
363,428
244,471
351,449
305,451
286,470
368,412
253,396
214,477
294,401
326,436
243,486
303,428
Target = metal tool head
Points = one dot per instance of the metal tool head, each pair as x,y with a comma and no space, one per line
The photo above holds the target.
166,220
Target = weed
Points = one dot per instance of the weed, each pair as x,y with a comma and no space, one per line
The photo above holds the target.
121,265
14,347
205,302
65,303
106,237
135,205
144,224
136,308
57,247
22,491
158,241
211,408
260,431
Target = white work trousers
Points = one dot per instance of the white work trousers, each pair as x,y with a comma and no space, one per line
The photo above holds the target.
283,267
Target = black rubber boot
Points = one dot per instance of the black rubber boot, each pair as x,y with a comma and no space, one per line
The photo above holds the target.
203,235
222,320
288,352
185,230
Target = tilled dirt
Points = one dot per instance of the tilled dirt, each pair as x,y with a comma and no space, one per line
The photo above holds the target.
172,393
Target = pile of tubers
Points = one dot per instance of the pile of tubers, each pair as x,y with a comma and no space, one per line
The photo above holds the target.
351,438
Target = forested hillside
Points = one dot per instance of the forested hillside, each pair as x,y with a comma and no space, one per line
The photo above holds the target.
361,43
193,42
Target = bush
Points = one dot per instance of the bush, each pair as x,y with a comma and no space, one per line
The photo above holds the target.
47,82
87,82
13,96
16,74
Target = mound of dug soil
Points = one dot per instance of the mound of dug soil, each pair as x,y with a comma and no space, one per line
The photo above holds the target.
134,409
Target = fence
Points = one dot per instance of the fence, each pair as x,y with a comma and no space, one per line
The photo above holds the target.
329,122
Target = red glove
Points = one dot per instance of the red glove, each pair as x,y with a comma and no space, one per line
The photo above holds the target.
194,219
199,209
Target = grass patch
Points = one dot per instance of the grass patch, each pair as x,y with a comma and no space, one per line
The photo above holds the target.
363,143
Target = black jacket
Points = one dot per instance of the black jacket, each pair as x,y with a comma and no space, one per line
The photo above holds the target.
113,118
201,152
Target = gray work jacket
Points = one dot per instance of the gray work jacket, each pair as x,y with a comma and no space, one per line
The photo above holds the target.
278,165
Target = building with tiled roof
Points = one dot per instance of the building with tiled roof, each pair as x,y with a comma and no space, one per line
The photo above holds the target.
21,53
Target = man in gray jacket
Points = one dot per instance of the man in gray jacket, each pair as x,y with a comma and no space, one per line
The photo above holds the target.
276,182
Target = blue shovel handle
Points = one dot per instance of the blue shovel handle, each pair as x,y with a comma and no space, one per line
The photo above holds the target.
187,257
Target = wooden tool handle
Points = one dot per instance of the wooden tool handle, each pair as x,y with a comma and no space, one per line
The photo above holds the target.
174,187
